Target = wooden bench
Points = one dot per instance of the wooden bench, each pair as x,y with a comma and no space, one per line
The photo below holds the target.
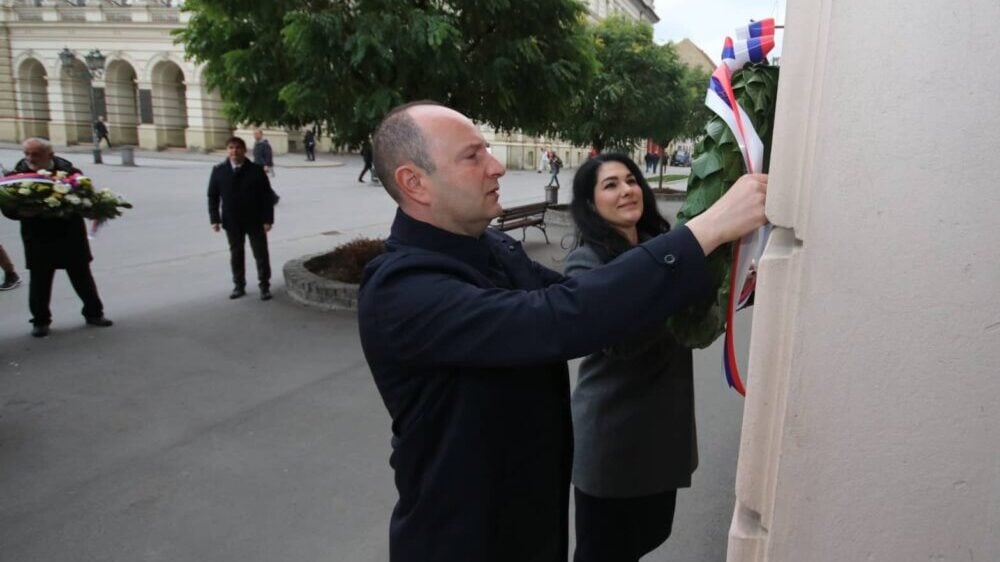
522,217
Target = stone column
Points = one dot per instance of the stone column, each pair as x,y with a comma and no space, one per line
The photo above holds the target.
61,131
207,128
873,400
151,137
8,98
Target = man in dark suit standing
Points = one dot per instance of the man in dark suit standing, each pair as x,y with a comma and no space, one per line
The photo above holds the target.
247,202
55,243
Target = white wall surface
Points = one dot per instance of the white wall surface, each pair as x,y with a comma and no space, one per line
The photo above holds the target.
870,428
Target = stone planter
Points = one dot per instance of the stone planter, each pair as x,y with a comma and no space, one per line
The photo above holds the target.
305,287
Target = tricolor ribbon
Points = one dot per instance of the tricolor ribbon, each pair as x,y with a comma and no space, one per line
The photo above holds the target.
20,177
754,42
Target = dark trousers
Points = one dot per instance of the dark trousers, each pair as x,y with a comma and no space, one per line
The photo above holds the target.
237,256
621,529
554,178
105,138
368,166
40,293
310,152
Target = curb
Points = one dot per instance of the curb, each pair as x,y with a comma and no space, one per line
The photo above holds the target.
313,291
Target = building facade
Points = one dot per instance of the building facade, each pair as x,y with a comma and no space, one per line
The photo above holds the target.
149,94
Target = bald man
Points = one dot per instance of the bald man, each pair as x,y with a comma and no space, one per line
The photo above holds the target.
55,243
467,340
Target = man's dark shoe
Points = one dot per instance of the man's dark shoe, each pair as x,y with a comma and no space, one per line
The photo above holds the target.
40,330
265,294
237,293
99,321
10,280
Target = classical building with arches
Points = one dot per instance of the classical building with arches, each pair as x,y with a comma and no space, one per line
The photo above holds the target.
148,93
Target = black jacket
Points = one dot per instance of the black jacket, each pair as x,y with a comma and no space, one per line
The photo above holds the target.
53,243
262,154
246,197
467,340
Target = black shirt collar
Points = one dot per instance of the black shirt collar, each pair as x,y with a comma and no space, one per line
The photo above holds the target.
410,232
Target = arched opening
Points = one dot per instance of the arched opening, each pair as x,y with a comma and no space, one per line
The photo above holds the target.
76,102
33,99
170,103
122,101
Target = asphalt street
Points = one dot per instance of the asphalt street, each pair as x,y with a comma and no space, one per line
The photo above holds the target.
203,429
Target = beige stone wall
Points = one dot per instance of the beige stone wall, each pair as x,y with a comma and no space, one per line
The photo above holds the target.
870,428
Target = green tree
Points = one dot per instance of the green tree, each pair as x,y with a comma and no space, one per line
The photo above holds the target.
345,64
694,113
637,93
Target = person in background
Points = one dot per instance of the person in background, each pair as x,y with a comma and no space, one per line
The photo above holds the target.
309,140
101,128
10,277
247,200
366,156
263,156
555,164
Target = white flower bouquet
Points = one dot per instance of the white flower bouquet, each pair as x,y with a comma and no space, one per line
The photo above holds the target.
56,195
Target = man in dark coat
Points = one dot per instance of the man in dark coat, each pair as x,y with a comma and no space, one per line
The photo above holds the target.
263,156
309,140
247,200
55,243
366,156
101,128
467,340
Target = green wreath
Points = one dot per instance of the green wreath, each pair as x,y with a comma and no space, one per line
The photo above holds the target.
717,165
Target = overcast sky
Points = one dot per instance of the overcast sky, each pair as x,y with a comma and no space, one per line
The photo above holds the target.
708,22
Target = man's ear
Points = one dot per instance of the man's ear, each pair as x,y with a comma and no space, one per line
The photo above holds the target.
412,183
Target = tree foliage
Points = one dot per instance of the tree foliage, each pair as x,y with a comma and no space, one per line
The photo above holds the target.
636,94
344,64
694,114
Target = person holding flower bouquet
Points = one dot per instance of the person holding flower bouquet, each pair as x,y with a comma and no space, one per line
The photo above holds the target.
53,238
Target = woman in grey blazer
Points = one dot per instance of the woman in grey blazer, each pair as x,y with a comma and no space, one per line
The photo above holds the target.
633,407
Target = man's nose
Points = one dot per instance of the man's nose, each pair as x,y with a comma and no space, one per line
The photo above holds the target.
495,168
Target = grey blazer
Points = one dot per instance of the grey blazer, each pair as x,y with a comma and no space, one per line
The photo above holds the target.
633,412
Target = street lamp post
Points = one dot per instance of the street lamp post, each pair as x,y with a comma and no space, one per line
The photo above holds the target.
94,69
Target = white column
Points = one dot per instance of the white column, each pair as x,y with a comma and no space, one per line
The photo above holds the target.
870,427
207,128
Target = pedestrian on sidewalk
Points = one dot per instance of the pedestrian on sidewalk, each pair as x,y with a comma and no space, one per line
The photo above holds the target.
367,156
310,142
555,163
55,243
543,160
101,128
247,200
263,156
10,277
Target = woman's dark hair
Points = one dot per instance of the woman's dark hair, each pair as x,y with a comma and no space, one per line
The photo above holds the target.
593,230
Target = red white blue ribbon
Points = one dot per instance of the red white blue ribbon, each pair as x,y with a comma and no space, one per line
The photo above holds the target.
754,42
